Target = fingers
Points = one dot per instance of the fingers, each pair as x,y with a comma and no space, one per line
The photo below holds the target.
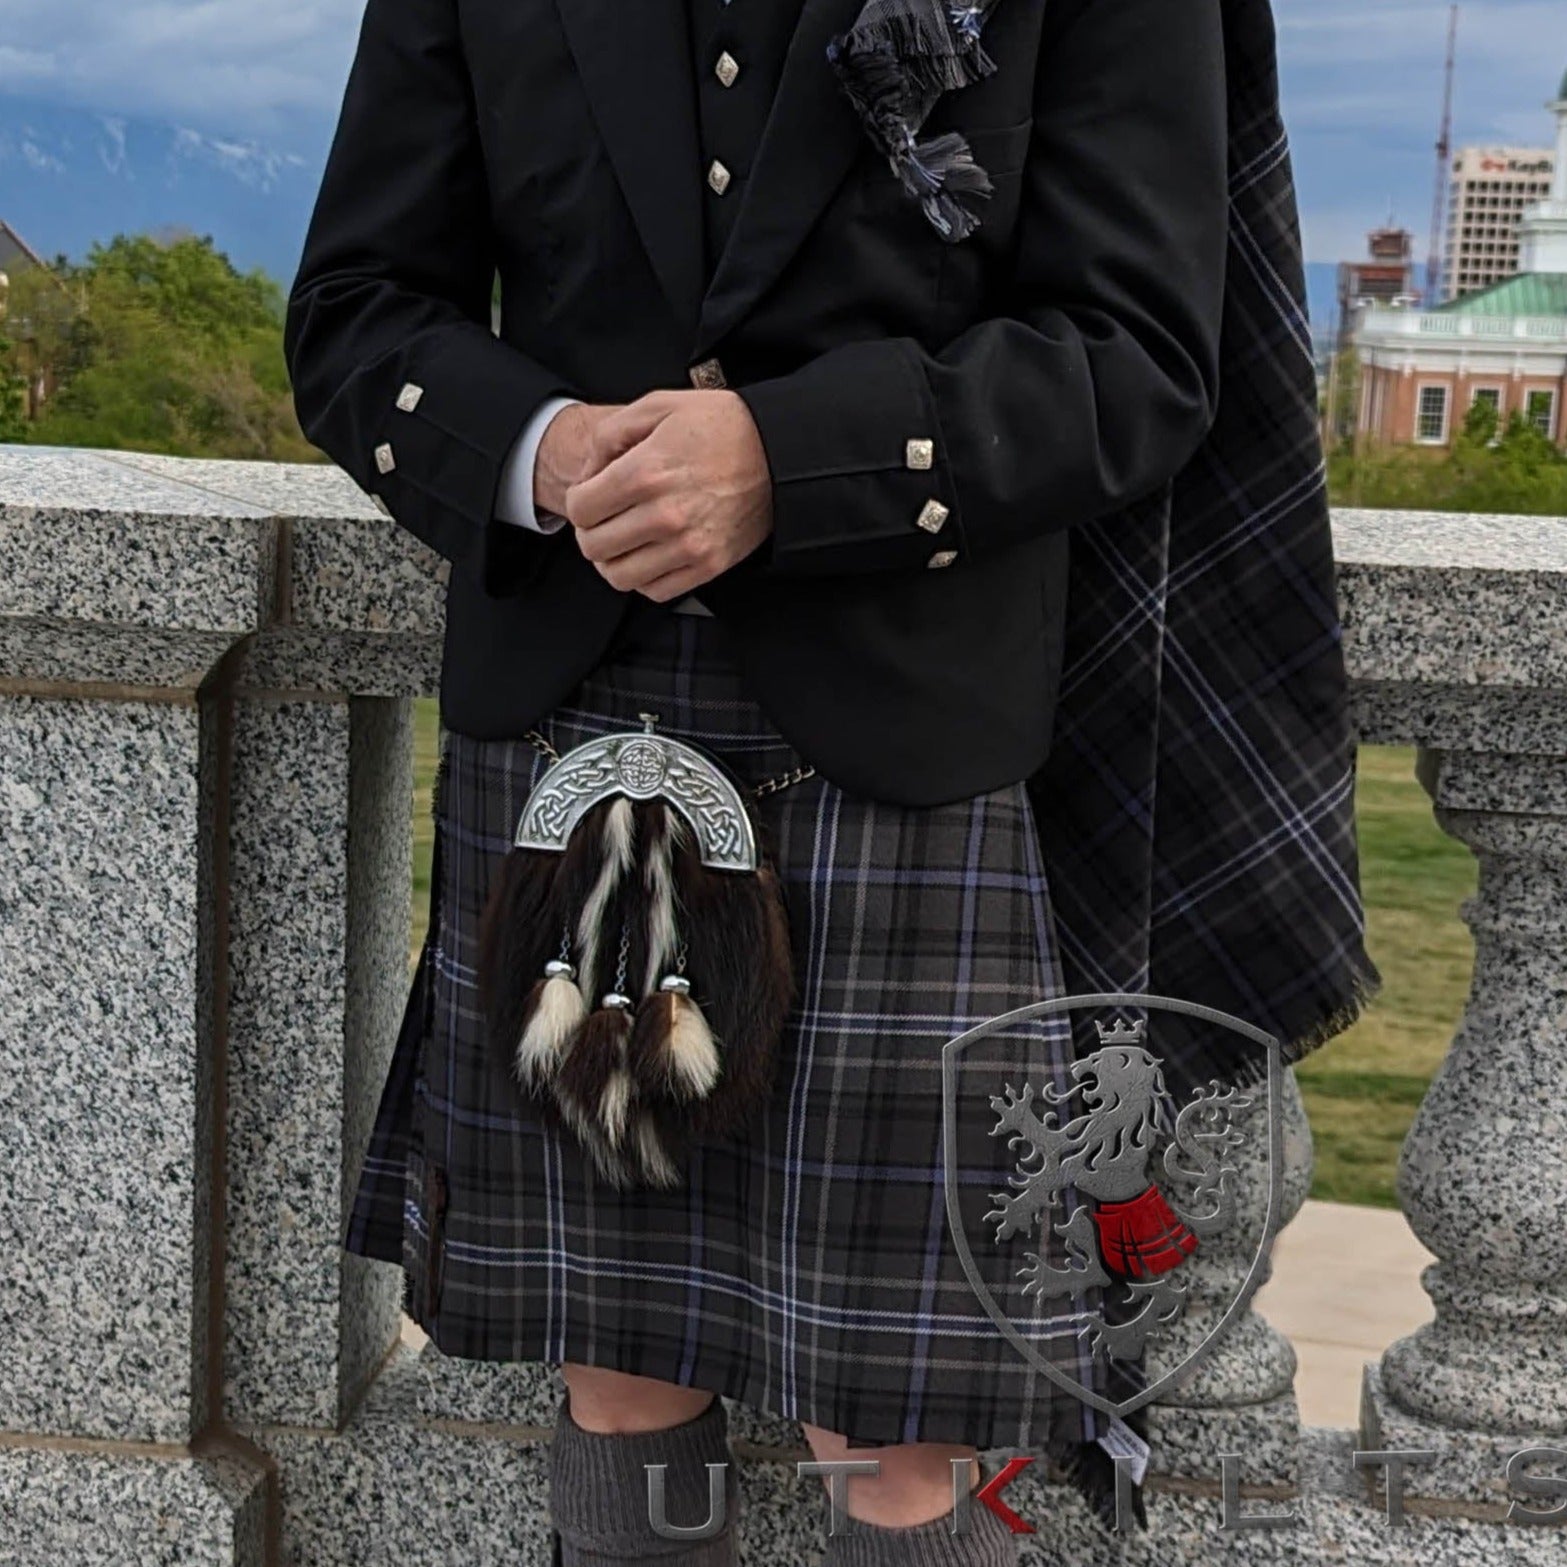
633,550
638,568
646,522
637,476
617,432
673,584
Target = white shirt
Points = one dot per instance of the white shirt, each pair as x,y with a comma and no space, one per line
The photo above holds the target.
514,503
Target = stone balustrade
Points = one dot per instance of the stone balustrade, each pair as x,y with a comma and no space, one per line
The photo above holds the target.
205,764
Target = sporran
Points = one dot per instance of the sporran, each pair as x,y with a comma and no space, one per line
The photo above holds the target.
634,954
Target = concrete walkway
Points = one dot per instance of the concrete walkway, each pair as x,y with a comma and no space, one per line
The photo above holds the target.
1346,1283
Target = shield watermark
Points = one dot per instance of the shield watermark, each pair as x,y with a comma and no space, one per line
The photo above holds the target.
1129,1183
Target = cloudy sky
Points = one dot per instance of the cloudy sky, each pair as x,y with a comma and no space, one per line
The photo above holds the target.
1362,82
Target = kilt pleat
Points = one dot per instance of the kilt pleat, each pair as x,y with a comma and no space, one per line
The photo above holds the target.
806,1268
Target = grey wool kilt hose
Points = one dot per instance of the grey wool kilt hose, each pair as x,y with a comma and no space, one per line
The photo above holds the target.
806,1268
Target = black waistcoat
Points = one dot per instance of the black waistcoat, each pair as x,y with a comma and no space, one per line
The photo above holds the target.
739,48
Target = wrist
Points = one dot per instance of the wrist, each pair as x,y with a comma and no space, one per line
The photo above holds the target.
561,459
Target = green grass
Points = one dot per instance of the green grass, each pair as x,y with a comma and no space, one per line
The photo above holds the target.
427,737
1363,1088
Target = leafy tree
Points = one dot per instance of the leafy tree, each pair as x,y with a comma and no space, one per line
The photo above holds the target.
13,394
165,347
1491,467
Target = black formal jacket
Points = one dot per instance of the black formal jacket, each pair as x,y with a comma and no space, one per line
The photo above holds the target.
1062,360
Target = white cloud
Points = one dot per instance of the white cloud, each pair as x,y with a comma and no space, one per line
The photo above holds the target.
1361,81
224,65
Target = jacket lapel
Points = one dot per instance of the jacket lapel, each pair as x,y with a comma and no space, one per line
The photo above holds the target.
634,57
811,137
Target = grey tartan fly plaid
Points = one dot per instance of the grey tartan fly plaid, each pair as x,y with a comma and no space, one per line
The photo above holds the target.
1201,777
808,1268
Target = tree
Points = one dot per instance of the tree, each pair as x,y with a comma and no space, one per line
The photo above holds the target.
168,348
13,394
1491,467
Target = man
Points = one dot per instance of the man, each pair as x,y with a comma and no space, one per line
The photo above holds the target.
823,327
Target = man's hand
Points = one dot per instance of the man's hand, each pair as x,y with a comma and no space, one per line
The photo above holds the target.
567,453
679,491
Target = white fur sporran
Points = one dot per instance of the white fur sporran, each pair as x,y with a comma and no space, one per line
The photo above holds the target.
634,955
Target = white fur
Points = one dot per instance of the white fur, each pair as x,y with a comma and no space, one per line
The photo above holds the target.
616,1105
692,1052
655,1162
560,1012
661,905
619,834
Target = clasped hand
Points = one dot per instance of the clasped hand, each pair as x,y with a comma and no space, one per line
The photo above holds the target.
662,493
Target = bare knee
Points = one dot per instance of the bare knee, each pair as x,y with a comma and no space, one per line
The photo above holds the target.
606,1401
914,1483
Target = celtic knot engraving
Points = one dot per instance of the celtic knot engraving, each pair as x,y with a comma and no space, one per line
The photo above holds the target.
644,767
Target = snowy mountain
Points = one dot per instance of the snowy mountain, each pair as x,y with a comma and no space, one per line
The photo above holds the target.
69,176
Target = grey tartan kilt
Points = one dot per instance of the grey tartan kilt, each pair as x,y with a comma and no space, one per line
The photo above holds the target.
807,1269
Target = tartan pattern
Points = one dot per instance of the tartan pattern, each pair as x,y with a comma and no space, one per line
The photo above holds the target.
807,1269
1201,777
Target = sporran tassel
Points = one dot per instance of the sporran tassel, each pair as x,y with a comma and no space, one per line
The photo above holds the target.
555,1011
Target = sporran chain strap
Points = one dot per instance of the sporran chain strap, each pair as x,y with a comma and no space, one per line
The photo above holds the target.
758,792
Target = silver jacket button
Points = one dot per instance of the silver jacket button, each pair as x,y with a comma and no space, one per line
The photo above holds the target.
408,398
942,558
718,177
919,453
708,374
727,68
932,515
383,457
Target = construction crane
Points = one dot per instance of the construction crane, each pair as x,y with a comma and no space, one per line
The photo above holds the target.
1444,155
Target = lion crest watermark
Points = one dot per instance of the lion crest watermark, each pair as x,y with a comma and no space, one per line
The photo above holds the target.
1122,1185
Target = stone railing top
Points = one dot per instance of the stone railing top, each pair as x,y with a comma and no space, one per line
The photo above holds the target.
1437,541
127,542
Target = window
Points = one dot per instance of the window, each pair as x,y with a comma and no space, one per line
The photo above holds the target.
1491,396
1431,416
1540,410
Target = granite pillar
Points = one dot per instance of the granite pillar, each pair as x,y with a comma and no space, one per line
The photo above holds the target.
1240,1398
1483,1177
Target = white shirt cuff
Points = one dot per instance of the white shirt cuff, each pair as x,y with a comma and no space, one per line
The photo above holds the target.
514,500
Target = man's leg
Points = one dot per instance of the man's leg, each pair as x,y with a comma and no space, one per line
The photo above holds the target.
903,1515
608,1428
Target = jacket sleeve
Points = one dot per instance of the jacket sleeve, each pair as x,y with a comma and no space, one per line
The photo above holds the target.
1095,379
395,370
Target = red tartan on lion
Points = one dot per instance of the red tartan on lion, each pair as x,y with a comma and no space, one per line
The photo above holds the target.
1142,1236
